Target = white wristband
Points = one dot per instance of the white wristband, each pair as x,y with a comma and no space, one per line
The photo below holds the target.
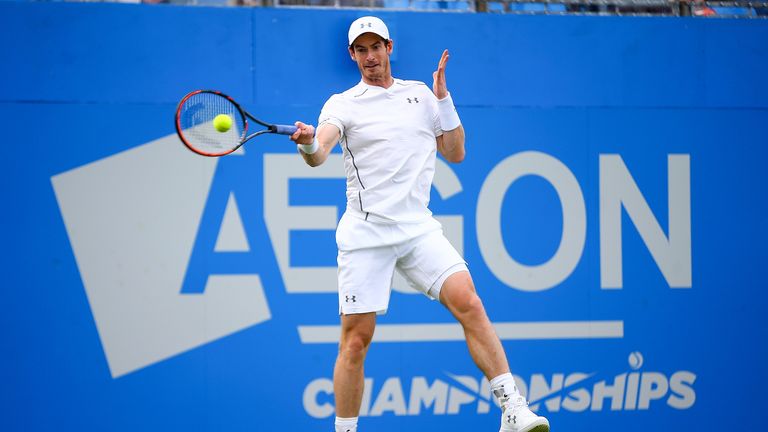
309,148
449,118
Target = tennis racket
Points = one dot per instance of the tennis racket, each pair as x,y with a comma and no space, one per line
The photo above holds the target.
200,133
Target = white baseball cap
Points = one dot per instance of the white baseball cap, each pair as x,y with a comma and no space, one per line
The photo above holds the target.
367,24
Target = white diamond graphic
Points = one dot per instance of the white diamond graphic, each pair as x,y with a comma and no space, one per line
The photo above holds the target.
132,220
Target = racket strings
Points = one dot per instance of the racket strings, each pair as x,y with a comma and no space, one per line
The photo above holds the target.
196,123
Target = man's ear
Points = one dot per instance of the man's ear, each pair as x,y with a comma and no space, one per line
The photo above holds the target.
390,43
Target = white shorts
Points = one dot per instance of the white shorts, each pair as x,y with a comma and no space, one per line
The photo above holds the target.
365,275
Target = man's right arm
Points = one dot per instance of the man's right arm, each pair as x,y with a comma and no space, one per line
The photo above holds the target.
327,136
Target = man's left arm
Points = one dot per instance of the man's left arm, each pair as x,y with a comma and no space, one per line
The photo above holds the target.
451,143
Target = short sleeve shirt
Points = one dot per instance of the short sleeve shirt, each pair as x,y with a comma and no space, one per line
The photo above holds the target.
388,138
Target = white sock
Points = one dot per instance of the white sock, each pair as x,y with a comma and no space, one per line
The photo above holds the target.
504,387
346,424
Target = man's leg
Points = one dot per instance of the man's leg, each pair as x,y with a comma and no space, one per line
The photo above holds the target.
348,377
459,296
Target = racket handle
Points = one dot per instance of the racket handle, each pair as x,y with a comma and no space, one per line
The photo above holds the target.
285,129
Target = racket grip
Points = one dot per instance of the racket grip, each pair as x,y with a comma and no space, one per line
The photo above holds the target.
285,129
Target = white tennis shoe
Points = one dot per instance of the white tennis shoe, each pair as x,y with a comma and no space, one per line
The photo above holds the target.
518,418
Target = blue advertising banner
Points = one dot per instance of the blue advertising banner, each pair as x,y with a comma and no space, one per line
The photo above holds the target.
609,210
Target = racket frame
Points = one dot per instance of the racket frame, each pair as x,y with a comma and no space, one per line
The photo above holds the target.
245,115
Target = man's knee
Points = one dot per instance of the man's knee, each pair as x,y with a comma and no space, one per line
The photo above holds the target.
355,339
356,342
459,295
470,304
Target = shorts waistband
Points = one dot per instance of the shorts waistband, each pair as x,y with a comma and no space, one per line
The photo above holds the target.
371,217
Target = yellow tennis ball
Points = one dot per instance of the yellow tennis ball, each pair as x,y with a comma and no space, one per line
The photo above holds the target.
222,122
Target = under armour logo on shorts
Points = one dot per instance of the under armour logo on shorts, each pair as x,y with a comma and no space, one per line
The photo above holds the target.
350,297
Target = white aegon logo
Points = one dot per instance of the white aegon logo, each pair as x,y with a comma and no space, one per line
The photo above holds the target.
132,227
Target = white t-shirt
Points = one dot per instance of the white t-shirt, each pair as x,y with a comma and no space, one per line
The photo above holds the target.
388,140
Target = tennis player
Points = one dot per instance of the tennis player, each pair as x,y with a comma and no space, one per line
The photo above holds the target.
390,131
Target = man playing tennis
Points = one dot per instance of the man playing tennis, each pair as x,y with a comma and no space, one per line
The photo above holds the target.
390,131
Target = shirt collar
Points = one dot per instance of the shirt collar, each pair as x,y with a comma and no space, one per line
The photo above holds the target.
362,84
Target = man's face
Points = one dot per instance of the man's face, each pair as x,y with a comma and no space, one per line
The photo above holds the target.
371,53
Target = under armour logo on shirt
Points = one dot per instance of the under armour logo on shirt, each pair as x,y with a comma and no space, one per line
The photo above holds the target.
416,100
350,297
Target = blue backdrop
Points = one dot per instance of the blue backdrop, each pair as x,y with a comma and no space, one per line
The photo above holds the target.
611,209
